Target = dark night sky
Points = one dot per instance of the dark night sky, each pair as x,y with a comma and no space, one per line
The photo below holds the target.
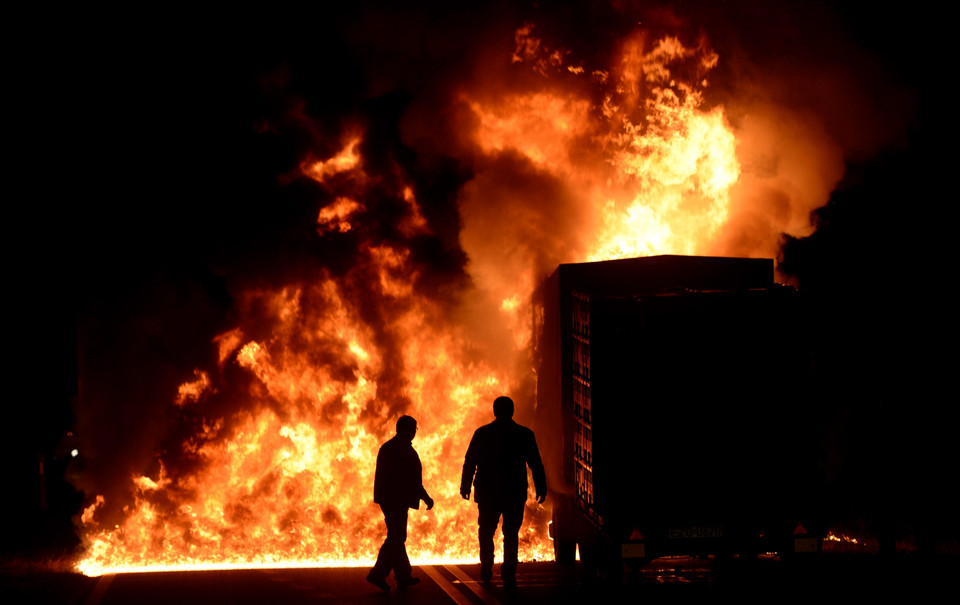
142,182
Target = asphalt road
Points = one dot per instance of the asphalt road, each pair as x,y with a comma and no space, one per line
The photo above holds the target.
669,581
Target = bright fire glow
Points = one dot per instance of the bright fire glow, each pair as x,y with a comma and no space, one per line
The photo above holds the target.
287,481
832,537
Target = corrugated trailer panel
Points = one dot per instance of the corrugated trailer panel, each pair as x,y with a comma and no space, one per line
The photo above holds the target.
679,406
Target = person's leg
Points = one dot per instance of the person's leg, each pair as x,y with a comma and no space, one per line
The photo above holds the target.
512,520
396,538
488,521
378,575
387,556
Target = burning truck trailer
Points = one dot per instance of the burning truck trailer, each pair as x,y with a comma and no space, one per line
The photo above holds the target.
680,387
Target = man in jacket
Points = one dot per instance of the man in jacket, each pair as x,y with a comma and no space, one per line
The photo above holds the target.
496,464
397,486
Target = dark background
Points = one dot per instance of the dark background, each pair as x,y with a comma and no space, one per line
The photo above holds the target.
141,182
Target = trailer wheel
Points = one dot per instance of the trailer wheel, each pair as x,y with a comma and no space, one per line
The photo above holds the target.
565,551
564,538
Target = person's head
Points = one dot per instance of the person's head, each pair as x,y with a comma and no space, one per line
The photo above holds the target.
503,408
407,427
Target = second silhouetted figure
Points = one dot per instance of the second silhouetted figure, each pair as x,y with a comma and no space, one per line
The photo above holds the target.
397,487
496,464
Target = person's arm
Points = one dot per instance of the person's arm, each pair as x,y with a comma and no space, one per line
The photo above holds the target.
536,466
469,469
426,497
423,491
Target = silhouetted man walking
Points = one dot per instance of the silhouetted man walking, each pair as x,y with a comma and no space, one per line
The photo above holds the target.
397,486
496,463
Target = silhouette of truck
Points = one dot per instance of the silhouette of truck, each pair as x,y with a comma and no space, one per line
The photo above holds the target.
673,411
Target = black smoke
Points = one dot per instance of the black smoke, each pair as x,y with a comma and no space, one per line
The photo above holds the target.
156,182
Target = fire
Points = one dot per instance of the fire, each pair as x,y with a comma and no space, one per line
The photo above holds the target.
642,167
832,537
284,487
653,170
191,391
335,216
344,161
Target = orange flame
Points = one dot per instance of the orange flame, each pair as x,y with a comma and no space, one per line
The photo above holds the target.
626,162
346,160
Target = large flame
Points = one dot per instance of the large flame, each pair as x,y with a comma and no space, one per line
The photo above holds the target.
609,163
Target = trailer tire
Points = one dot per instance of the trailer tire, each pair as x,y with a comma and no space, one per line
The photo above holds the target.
565,550
564,532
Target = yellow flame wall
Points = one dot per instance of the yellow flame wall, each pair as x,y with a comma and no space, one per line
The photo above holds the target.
569,162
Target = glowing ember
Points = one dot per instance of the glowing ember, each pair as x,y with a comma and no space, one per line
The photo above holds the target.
190,392
633,163
832,537
344,161
335,216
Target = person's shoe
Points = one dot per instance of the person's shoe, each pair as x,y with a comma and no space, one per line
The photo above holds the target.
407,582
509,582
486,574
380,583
